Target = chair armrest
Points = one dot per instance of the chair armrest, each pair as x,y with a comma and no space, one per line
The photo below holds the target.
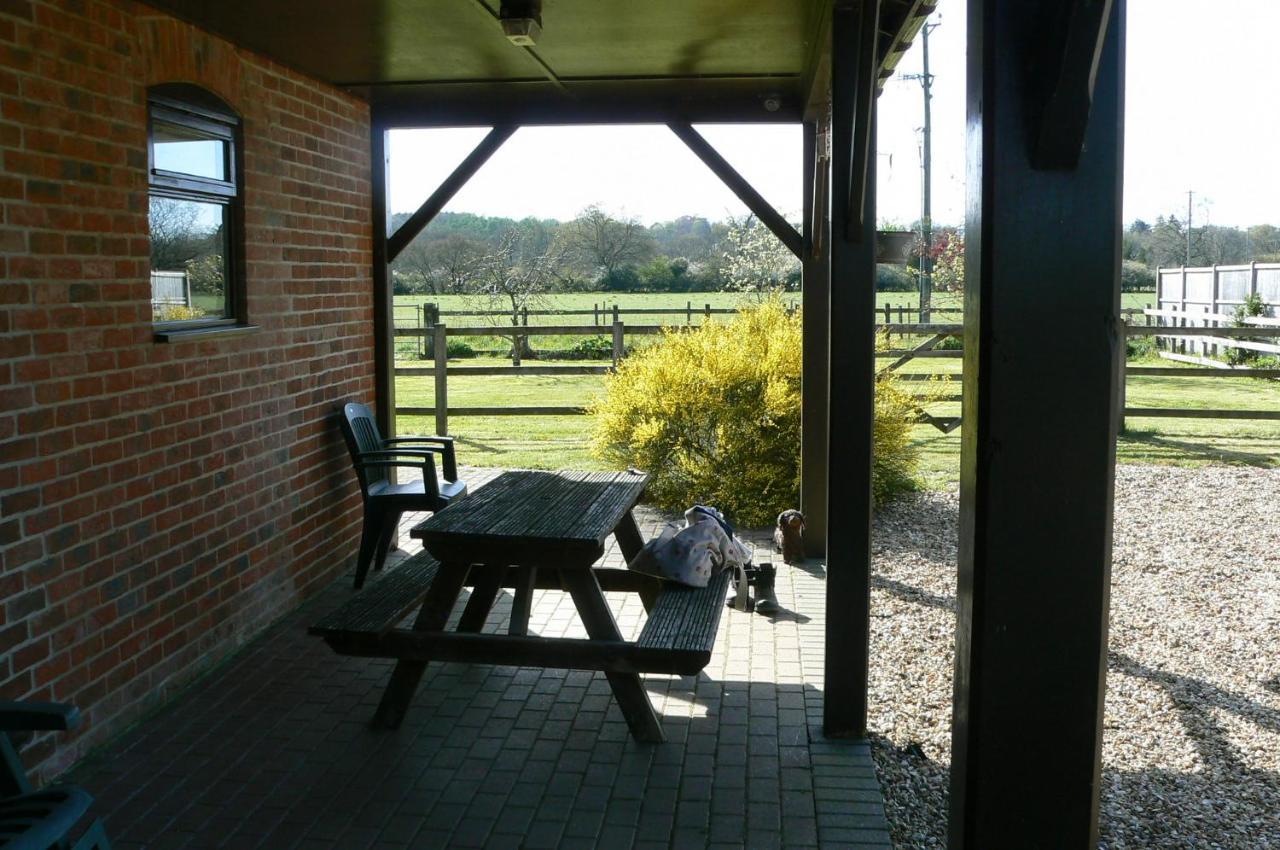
430,485
449,458
419,439
38,716
421,454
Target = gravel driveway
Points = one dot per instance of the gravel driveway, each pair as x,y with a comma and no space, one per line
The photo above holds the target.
1191,750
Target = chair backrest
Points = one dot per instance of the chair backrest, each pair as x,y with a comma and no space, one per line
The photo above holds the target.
360,430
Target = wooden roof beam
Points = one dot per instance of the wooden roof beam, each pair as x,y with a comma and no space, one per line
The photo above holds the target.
444,193
1068,70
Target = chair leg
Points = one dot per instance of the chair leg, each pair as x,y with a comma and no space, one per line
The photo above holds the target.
390,525
369,537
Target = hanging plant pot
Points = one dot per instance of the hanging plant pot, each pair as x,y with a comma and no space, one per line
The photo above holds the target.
894,246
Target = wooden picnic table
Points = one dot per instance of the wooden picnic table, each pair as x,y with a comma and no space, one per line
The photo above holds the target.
527,530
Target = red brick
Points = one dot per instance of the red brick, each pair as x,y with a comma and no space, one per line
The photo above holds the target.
146,465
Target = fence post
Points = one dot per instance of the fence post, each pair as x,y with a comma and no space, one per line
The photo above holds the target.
524,316
615,313
420,314
708,313
888,316
595,314
440,347
619,349
688,312
1253,278
1217,290
1124,371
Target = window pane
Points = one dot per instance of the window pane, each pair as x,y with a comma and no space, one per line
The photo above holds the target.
188,260
188,151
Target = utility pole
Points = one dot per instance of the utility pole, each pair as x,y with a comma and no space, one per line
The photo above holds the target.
926,178
1188,262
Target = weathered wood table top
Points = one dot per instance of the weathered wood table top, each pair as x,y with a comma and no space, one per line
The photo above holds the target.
554,519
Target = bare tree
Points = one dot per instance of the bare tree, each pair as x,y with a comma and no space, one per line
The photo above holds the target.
515,276
608,243
440,265
175,235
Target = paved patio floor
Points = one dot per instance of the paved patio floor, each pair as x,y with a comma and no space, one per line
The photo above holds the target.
272,750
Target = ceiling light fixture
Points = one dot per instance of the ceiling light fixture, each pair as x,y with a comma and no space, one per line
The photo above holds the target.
521,21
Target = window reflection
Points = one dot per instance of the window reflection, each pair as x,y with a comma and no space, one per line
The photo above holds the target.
188,151
188,260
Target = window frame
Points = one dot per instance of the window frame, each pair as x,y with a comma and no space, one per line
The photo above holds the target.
189,107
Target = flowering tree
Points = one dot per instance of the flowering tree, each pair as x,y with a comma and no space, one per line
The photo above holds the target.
948,261
754,259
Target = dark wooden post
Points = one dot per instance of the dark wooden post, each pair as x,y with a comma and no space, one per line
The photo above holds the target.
1038,449
852,368
440,353
619,344
384,325
816,295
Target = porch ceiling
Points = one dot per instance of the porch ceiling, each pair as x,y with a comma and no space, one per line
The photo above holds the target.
447,61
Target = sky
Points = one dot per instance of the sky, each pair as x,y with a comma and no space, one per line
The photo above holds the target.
1200,116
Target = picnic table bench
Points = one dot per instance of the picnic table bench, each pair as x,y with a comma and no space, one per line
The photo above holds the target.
527,531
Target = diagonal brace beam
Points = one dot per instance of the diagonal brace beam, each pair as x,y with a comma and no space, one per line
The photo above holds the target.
444,193
738,184
1068,70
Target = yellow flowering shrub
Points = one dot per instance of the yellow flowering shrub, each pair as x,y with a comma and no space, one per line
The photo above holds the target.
713,414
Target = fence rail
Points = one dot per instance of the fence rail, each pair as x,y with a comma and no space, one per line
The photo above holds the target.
437,337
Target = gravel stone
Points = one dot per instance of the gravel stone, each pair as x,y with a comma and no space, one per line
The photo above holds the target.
1191,739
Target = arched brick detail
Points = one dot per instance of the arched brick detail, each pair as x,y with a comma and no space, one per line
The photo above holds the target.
175,52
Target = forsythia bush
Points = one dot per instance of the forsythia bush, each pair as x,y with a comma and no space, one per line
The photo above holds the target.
713,415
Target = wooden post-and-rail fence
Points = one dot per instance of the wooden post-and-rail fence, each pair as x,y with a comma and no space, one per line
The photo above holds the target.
1250,337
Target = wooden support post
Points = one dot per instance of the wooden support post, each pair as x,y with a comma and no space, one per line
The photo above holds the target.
1038,446
616,317
708,313
852,369
688,312
384,323
440,354
619,346
816,295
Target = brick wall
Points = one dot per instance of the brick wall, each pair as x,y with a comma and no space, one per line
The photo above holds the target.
160,504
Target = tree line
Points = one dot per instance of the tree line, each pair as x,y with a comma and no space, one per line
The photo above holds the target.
1165,243
468,254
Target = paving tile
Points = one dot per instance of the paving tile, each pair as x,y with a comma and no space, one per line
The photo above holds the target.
498,756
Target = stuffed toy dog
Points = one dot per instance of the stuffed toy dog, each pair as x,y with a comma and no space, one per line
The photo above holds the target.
788,537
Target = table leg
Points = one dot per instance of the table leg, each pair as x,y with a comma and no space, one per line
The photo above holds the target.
487,584
630,541
407,674
523,602
600,625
